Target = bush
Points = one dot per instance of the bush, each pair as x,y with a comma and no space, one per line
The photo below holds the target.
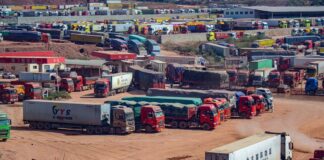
58,95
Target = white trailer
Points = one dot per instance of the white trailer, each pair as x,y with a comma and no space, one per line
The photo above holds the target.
120,80
302,62
270,146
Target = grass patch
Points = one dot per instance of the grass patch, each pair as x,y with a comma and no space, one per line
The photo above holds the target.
58,95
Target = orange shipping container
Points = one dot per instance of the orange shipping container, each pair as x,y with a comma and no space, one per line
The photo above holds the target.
17,8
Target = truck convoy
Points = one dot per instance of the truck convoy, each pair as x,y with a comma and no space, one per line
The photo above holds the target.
5,126
267,145
93,118
112,84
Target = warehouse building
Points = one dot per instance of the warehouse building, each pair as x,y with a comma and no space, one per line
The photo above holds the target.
267,12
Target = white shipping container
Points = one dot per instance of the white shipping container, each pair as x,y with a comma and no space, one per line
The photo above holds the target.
120,80
268,146
304,61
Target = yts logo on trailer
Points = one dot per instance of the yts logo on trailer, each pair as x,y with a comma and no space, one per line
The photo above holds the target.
61,113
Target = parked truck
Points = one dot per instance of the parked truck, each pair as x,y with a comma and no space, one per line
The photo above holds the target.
145,79
8,95
268,145
215,49
315,69
245,107
112,84
260,76
32,90
147,117
93,118
295,40
274,79
5,126
293,77
99,40
260,64
152,47
263,43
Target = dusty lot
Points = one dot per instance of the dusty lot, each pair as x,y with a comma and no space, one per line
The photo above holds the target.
302,117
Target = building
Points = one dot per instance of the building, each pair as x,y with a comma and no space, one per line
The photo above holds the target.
267,12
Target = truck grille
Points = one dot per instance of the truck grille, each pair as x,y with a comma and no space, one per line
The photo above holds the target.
3,132
161,123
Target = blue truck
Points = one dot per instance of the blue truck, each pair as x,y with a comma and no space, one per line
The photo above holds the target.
293,40
311,86
152,47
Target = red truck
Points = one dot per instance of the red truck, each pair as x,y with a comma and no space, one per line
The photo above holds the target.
220,105
152,119
8,95
205,116
245,108
274,79
293,77
242,78
32,90
284,64
232,74
260,103
318,155
67,85
112,84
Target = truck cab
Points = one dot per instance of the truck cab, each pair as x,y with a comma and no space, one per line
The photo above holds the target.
8,95
207,116
217,104
246,107
78,83
152,118
274,78
232,74
311,86
122,119
20,92
5,127
260,103
67,85
101,88
33,91
267,94
290,78
242,78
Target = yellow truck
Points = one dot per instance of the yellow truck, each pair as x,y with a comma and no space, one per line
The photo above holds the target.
263,43
20,91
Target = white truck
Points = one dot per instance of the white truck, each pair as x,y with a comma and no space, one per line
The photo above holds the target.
265,146
315,69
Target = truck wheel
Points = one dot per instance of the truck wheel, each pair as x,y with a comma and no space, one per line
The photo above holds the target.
48,126
98,130
90,130
206,126
183,125
174,124
148,129
40,125
32,125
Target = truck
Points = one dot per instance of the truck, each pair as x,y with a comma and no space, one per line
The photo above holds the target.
112,84
242,78
144,79
311,86
260,76
5,126
66,84
205,79
260,64
274,79
147,117
194,60
152,47
32,90
37,77
8,95
267,94
315,69
93,118
136,46
166,99
293,77
303,61
245,107
260,103
215,49
118,44
268,145
224,112
158,66
318,154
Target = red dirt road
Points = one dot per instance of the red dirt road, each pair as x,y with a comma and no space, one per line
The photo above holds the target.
302,117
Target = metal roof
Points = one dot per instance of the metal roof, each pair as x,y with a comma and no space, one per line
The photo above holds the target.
287,9
97,63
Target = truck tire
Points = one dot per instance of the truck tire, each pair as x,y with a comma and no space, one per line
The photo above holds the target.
90,130
47,126
40,125
183,125
148,129
33,125
174,124
206,126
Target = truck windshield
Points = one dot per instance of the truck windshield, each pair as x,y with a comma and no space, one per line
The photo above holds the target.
100,86
36,90
273,76
214,111
129,116
4,122
311,70
158,114
257,78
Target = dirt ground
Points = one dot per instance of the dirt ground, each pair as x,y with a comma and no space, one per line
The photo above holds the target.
301,117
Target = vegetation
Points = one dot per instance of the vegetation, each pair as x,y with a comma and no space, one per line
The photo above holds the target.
58,95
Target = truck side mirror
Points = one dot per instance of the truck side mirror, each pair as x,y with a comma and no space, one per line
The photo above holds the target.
9,121
291,145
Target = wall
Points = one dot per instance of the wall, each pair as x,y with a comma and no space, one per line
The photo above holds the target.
239,13
30,20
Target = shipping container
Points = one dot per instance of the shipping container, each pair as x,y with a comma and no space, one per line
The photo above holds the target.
119,80
120,27
148,11
215,49
13,35
38,77
17,8
113,55
88,38
39,7
295,40
55,33
165,99
260,64
272,146
194,60
115,5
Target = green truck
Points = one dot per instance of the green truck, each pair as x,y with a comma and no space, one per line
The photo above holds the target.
260,64
5,126
165,99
